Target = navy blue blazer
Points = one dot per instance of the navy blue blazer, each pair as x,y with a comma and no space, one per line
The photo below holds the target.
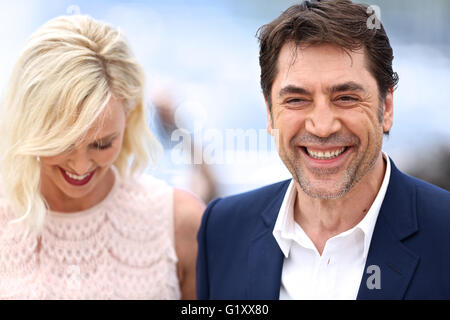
238,257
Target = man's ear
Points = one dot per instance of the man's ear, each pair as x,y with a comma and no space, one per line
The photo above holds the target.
269,118
388,113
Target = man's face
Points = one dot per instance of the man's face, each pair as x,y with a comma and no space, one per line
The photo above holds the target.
325,109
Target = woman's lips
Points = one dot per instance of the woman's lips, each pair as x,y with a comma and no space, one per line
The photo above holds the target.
77,182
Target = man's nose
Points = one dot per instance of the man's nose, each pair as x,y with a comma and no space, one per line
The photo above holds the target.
322,120
80,162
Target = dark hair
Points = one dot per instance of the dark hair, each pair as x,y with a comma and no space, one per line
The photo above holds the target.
338,22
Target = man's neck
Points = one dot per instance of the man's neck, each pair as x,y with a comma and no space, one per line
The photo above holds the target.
322,219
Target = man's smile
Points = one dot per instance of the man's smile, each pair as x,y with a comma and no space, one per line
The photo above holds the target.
324,154
325,157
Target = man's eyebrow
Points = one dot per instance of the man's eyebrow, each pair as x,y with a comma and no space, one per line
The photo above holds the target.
347,86
290,89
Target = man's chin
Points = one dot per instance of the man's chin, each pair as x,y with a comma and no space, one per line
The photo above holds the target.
325,192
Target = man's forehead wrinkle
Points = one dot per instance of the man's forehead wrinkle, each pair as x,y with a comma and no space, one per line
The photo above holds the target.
351,58
297,49
293,52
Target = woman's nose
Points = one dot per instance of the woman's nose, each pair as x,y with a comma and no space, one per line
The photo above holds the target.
80,162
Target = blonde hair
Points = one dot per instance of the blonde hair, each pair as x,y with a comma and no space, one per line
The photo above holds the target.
63,79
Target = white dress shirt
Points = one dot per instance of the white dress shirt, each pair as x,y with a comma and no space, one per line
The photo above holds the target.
337,273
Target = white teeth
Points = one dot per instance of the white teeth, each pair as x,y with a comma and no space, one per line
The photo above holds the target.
325,155
75,177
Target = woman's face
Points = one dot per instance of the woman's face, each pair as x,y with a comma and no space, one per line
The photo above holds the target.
82,173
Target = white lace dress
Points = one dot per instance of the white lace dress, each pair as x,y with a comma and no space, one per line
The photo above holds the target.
122,248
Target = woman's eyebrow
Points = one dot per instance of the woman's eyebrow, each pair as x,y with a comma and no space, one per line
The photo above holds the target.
105,138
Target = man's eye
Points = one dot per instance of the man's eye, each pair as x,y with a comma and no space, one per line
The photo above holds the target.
296,100
296,103
347,99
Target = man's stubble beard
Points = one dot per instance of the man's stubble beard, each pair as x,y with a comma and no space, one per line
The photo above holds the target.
350,178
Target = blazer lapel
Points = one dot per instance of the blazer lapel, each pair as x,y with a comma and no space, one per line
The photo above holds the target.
396,221
265,258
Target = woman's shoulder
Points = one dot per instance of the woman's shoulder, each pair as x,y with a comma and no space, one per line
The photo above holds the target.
153,194
144,188
186,204
144,200
188,211
150,182
145,182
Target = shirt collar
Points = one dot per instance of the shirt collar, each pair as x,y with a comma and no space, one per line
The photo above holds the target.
284,229
367,224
